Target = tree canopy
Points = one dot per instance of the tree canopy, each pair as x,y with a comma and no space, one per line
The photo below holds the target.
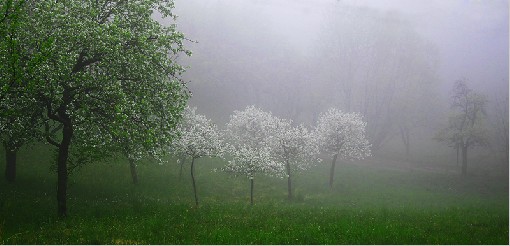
104,74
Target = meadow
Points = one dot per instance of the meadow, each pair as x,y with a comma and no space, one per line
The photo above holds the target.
369,204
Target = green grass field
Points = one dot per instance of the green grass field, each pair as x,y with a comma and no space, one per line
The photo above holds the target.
367,206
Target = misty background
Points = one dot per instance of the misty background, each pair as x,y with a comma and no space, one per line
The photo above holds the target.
393,61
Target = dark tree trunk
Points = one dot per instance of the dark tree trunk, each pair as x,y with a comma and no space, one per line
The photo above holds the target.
193,179
251,191
332,173
134,173
10,163
63,155
464,160
289,182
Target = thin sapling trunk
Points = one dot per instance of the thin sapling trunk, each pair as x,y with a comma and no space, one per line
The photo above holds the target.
193,179
134,173
332,172
289,182
251,191
464,160
182,165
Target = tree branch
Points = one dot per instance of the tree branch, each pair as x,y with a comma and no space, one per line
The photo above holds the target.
48,137
81,63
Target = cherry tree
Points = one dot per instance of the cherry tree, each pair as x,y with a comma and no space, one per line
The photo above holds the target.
19,118
102,71
342,135
199,137
296,147
251,133
20,113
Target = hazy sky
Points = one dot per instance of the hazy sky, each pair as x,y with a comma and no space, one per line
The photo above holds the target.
471,35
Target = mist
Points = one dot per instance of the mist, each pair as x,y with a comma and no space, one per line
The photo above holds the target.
287,122
298,58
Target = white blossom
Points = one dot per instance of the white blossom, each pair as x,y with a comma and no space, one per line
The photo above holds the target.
252,135
343,134
296,146
199,137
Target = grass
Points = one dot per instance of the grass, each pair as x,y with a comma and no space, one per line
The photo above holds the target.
366,206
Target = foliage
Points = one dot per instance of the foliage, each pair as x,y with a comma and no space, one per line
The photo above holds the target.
106,77
342,134
106,66
19,111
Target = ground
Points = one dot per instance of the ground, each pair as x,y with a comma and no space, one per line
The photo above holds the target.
373,202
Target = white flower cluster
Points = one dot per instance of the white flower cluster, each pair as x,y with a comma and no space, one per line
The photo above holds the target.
251,134
259,142
249,161
263,143
343,134
199,136
296,146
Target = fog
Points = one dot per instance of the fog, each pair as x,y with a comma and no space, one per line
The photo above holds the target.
310,122
246,39
471,36
298,58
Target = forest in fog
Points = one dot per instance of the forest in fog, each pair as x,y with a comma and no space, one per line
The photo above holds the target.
395,62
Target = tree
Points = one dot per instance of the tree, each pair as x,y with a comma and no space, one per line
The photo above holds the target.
251,133
497,118
466,123
19,111
108,73
375,69
181,161
19,120
199,137
296,147
342,135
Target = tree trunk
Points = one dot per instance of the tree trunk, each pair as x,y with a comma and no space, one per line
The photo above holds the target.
251,191
464,160
407,148
10,163
457,148
404,133
134,173
63,154
332,173
182,165
193,179
289,182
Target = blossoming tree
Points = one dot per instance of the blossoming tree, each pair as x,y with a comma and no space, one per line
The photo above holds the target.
251,133
199,137
342,135
296,147
101,71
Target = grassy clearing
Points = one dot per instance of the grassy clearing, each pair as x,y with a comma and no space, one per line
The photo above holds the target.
367,206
